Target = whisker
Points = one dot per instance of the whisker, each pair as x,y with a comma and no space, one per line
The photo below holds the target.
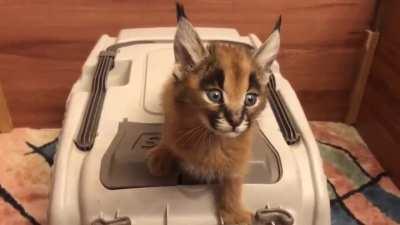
195,135
200,136
188,135
204,136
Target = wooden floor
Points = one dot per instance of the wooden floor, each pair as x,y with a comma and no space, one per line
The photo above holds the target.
44,43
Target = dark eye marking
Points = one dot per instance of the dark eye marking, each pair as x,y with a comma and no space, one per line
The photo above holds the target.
253,81
219,76
213,118
214,78
227,113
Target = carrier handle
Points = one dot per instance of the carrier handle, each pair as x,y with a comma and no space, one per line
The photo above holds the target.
282,114
88,129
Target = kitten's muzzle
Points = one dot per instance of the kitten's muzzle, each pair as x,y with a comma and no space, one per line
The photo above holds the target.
234,118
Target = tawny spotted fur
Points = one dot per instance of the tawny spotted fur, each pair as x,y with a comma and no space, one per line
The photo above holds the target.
211,103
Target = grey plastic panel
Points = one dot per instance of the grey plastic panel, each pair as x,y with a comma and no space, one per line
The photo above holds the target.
124,163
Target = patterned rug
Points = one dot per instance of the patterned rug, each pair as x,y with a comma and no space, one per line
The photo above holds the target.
360,191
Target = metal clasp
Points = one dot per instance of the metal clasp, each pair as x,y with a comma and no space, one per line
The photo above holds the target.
275,216
116,221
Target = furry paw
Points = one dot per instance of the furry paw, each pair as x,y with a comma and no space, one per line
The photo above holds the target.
239,217
159,162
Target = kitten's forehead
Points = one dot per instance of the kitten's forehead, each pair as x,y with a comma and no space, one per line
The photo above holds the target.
237,64
229,55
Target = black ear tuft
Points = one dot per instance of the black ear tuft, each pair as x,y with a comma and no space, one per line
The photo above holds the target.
180,11
278,23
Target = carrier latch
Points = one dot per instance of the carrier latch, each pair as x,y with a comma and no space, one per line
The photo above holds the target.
116,221
275,216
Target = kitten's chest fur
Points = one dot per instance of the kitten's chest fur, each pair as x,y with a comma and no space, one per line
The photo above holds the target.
201,153
214,159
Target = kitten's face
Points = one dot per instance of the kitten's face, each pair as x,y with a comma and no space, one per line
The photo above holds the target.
226,83
227,89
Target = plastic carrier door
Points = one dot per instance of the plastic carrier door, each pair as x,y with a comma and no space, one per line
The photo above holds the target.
160,63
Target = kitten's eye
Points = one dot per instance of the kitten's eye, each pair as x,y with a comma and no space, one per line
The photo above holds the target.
214,95
250,99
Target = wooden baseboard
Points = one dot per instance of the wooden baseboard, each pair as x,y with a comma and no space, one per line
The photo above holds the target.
5,118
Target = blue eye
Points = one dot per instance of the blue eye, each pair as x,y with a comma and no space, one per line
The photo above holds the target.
250,99
214,95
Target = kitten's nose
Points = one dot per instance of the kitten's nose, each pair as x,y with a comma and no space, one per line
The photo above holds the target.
236,119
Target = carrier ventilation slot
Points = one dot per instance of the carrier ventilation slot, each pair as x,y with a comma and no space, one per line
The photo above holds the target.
282,114
88,130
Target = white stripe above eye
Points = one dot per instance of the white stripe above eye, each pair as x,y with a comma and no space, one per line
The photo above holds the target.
226,100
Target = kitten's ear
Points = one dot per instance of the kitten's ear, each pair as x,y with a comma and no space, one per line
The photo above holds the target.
268,51
180,12
188,49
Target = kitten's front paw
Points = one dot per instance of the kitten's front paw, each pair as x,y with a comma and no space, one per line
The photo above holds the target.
238,217
159,162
